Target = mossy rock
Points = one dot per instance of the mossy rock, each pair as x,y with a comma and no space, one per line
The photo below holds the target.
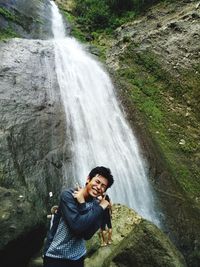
136,242
146,246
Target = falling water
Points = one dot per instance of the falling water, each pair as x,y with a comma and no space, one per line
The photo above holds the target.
100,135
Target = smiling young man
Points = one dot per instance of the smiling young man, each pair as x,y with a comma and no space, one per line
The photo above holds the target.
78,218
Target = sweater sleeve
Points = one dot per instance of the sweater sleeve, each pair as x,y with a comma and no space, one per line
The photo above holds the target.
82,221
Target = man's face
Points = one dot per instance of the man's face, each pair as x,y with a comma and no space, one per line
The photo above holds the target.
97,185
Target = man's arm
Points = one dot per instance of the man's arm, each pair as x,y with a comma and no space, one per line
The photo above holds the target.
77,216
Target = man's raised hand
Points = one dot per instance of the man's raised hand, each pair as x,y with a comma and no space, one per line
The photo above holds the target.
104,203
79,194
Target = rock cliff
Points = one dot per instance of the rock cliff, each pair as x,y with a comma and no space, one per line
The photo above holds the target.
32,145
155,63
28,19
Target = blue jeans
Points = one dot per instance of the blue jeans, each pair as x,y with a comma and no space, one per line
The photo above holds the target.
52,262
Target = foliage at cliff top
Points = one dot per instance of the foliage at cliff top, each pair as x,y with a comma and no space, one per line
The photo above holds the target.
105,14
109,14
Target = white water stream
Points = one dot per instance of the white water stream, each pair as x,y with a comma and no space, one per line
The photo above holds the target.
100,135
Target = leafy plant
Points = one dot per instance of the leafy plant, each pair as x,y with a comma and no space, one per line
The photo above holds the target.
7,33
107,13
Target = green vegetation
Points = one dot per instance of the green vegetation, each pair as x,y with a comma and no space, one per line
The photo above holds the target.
9,15
106,15
158,97
7,33
17,18
94,17
76,32
103,15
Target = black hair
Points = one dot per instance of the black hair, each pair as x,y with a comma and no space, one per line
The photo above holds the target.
103,171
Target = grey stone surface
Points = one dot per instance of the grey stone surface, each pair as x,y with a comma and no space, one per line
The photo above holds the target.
29,19
32,138
136,242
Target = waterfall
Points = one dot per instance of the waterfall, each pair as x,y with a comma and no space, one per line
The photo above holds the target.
100,134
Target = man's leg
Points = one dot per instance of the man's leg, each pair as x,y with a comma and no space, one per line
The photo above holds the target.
103,234
109,236
109,229
104,237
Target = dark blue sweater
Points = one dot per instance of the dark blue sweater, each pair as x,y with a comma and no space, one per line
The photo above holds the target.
72,223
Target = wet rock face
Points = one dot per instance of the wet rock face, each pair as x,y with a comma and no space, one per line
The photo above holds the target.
32,137
170,34
165,44
29,19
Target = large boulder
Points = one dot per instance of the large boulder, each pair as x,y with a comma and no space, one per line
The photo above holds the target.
32,145
136,242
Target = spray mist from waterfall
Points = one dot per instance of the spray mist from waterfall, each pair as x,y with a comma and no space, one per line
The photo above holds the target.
100,135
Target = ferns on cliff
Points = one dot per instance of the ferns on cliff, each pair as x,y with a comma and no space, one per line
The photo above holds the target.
95,14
